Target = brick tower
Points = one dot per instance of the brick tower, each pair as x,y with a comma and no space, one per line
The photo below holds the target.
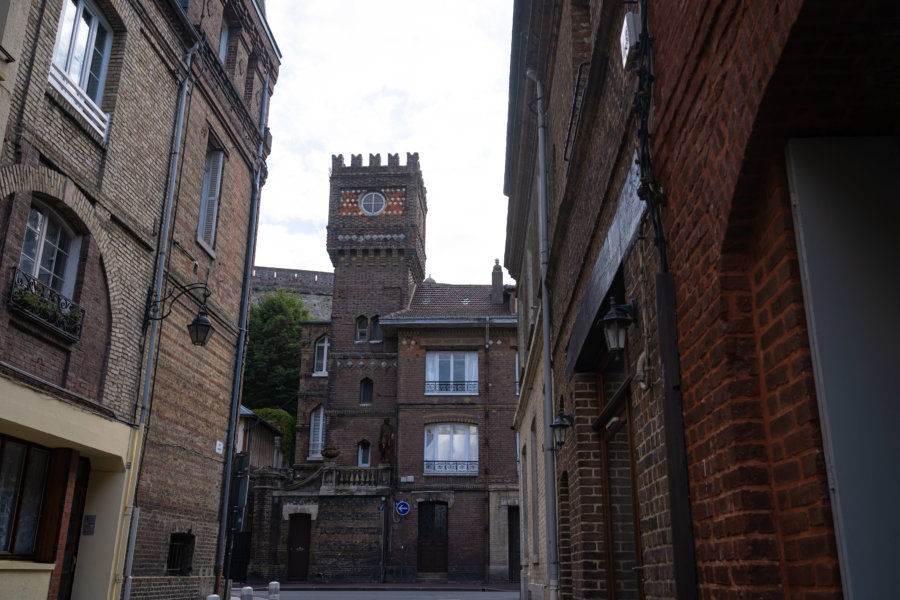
376,240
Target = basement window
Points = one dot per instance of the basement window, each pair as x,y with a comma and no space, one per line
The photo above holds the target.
181,554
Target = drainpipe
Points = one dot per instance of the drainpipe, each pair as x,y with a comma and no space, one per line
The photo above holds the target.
549,464
155,323
241,347
487,448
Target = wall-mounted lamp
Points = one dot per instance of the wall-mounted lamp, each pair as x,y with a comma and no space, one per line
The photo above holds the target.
560,427
200,329
616,322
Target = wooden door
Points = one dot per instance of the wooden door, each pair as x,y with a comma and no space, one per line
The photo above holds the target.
76,516
432,554
298,547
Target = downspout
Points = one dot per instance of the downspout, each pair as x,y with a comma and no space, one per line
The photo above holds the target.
487,449
155,322
241,345
549,464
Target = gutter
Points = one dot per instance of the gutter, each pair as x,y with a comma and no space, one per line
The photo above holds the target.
549,458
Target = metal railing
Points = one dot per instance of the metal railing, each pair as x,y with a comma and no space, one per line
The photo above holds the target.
451,387
37,301
442,467
92,113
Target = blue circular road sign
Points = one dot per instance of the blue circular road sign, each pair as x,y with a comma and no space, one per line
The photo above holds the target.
403,508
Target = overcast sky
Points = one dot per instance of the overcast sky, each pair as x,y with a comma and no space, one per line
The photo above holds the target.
390,76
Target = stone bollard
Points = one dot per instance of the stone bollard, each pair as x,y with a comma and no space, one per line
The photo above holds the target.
274,590
212,597
247,593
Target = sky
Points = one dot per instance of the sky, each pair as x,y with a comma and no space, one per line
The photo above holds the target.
390,76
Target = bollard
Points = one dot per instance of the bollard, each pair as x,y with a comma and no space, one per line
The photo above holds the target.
247,593
274,589
212,597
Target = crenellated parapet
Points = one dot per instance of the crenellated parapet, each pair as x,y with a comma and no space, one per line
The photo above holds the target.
356,162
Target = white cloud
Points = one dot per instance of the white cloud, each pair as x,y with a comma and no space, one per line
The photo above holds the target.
361,77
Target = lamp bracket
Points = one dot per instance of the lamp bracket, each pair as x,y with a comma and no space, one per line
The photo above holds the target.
159,309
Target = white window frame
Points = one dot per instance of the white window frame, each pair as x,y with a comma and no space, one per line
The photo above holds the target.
364,454
320,367
455,454
362,329
224,36
210,194
75,53
372,203
40,219
316,433
435,362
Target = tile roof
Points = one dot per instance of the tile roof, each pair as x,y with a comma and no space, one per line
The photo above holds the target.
452,300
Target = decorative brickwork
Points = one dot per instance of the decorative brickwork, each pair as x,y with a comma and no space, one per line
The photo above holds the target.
728,360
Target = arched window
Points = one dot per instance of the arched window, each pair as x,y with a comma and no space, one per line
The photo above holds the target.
362,329
366,392
320,366
316,433
50,251
376,330
363,454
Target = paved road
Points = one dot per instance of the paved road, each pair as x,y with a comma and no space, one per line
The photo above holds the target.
391,595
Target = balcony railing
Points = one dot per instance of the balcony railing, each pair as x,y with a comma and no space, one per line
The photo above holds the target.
451,387
37,301
92,113
342,480
458,467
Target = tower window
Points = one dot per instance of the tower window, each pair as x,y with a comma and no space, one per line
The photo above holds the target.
372,203
363,454
362,329
366,389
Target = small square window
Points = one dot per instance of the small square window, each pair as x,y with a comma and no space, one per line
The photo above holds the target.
181,554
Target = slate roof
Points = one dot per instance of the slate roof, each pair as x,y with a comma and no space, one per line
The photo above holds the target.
437,300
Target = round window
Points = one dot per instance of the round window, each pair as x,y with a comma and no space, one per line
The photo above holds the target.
372,203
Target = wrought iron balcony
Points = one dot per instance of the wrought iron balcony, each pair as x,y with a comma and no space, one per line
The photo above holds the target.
451,387
38,302
444,467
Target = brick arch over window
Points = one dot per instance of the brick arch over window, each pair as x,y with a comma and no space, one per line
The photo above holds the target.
60,194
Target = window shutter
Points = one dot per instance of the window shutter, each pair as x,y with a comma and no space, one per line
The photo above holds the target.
209,203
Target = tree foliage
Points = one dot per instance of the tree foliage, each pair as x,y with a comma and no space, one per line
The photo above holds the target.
272,369
283,421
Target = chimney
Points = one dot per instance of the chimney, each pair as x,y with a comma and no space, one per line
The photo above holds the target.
497,283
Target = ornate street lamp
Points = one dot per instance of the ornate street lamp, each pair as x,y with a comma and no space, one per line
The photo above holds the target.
616,322
200,329
560,427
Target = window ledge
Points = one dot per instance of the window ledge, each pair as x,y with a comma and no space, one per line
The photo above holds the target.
206,248
318,458
320,374
73,99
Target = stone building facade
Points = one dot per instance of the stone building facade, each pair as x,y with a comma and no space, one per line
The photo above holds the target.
133,150
406,395
736,448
